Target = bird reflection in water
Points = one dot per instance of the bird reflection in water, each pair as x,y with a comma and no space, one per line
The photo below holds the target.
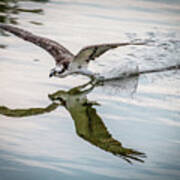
89,125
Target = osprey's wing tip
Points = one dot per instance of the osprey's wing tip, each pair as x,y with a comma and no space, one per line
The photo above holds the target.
94,51
52,47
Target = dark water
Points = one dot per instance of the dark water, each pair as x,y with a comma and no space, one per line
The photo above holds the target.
126,128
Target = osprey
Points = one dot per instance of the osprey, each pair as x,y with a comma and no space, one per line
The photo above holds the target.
66,62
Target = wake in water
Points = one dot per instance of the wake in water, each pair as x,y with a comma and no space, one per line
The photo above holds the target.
159,59
125,79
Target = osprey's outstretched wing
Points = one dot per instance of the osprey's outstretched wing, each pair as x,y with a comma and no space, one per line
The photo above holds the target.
55,49
91,52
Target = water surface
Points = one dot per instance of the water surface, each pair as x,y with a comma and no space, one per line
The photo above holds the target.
56,128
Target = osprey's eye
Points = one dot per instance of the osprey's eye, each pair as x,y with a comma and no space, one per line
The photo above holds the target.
59,69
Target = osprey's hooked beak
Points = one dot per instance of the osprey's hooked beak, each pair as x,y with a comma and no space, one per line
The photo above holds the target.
52,73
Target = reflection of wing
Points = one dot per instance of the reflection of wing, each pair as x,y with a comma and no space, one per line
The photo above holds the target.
90,126
27,112
52,47
91,52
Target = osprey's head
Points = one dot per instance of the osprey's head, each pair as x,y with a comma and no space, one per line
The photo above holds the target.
59,69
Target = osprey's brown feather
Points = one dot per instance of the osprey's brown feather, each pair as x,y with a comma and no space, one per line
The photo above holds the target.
63,57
